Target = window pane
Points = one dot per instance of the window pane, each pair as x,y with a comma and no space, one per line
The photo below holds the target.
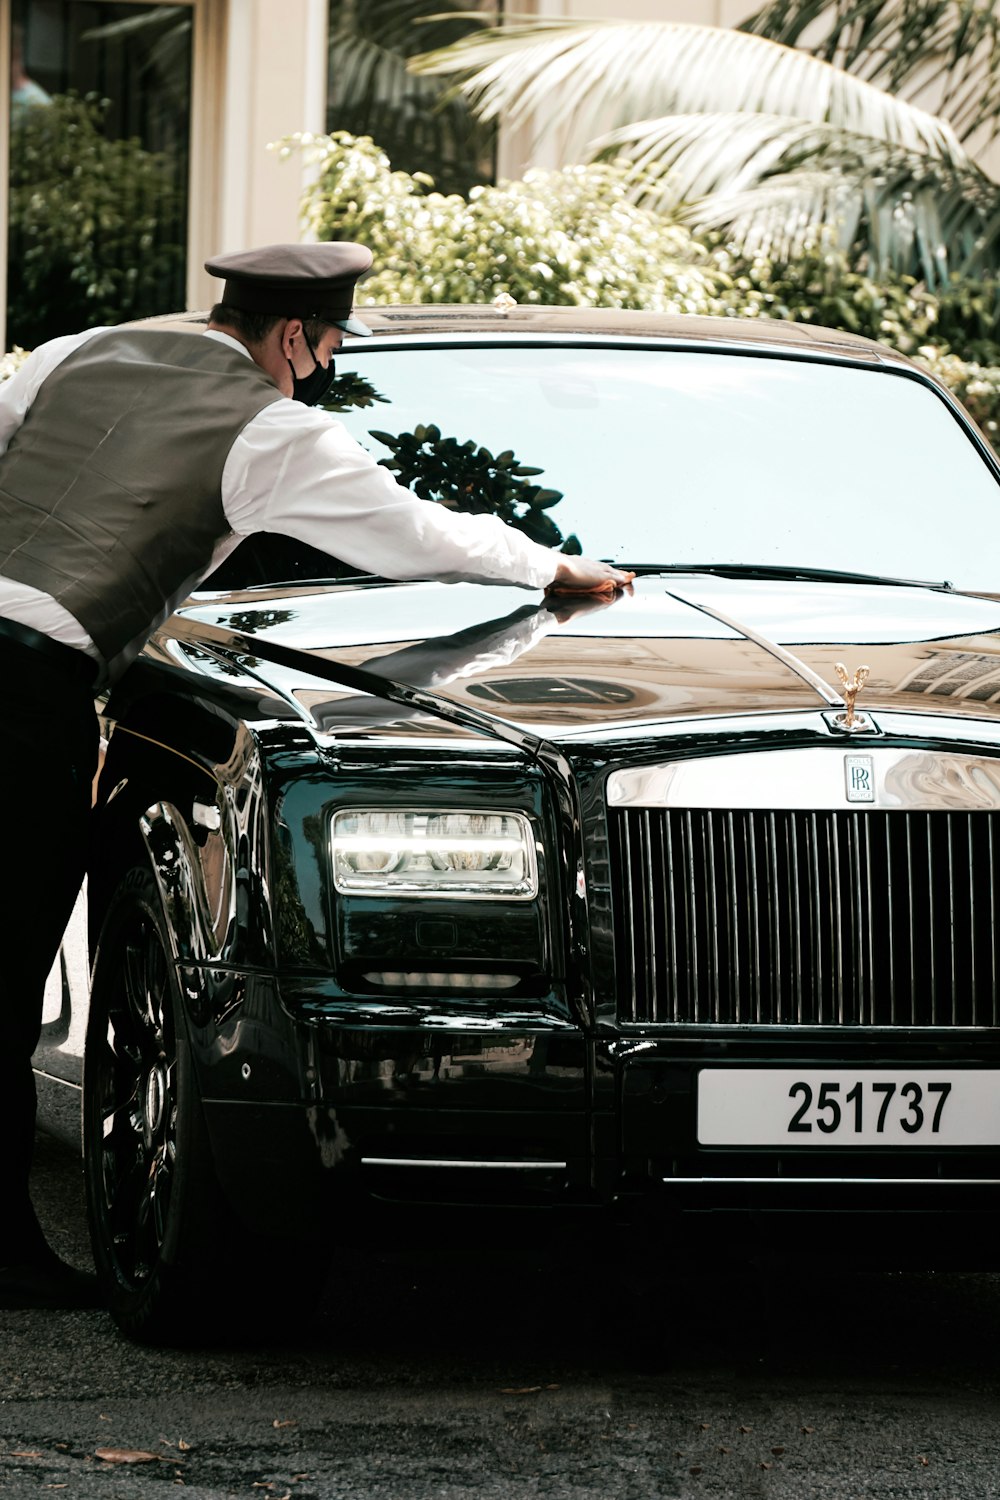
369,91
100,124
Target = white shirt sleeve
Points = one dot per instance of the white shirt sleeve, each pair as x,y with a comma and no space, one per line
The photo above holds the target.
295,469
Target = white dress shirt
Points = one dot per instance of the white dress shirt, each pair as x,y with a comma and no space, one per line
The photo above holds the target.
295,469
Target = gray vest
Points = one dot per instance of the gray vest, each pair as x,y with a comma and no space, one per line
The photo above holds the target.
110,492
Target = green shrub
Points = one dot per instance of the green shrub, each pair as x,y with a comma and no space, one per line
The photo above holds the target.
968,319
96,226
823,288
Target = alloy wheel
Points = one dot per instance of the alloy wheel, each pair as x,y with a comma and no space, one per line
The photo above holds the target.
137,1101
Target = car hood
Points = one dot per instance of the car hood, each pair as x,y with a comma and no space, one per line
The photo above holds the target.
677,646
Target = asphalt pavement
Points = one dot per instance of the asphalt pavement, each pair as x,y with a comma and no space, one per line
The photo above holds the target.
541,1369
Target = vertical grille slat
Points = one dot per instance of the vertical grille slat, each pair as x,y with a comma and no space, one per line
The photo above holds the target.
796,919
911,914
952,935
674,971
869,1016
993,928
890,923
753,915
930,926
808,918
974,966
836,915
690,918
731,899
774,918
631,922
857,960
816,968
654,964
714,969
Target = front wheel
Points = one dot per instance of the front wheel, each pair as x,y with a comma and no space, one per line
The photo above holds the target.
152,1199
174,1261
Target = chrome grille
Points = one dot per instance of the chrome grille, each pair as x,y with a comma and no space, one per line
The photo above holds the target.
806,918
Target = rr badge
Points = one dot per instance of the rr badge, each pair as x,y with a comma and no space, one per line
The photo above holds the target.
859,772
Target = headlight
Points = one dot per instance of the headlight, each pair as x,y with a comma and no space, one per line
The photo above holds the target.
463,854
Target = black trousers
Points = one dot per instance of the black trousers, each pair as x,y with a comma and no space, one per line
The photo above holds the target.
48,756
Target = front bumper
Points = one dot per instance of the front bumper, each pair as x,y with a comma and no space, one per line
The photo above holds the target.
653,1086
306,1115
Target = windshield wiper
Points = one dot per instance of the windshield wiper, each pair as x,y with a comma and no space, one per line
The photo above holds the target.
778,570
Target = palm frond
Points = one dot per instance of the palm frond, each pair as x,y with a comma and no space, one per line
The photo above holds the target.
113,31
682,159
367,71
902,211
944,48
582,79
404,26
415,120
786,216
372,83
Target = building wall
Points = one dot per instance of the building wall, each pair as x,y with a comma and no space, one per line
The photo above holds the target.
273,70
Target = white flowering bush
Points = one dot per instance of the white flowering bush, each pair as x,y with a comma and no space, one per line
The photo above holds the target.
977,386
12,361
567,238
574,237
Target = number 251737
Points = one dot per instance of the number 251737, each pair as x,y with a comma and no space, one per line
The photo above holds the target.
834,1107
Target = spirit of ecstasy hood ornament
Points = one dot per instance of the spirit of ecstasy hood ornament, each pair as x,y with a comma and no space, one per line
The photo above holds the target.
852,687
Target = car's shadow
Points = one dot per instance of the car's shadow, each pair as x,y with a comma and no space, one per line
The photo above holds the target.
553,1310
532,1303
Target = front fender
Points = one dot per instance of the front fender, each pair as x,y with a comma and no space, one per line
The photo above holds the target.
195,871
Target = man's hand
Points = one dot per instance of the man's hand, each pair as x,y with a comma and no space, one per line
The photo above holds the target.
582,575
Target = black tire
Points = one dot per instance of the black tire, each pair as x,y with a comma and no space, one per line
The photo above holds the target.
152,1197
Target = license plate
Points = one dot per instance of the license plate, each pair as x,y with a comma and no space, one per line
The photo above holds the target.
848,1107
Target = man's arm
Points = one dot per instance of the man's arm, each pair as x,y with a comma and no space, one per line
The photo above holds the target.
297,471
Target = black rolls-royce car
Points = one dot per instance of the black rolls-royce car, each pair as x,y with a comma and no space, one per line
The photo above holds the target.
683,902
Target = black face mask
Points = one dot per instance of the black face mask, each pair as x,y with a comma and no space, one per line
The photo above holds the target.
310,389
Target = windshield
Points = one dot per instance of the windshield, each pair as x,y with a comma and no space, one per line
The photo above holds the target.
673,457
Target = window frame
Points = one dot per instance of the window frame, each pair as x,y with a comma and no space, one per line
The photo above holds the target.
207,44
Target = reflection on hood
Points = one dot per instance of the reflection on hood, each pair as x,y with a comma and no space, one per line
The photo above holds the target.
440,660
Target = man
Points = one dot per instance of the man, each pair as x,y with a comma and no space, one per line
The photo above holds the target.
131,462
24,91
